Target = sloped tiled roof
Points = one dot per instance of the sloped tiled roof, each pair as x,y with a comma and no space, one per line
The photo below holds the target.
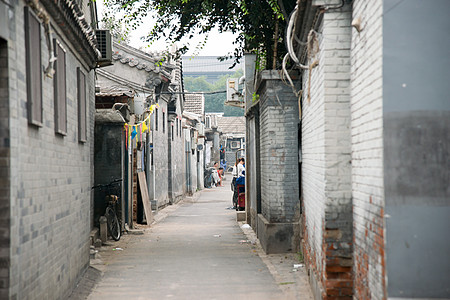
114,91
231,125
149,62
72,21
194,103
159,66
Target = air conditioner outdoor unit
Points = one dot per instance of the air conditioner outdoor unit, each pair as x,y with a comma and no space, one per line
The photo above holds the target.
201,129
235,144
104,45
232,89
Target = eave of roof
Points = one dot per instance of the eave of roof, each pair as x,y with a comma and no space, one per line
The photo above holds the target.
69,17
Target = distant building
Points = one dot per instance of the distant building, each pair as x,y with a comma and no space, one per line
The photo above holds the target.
233,138
195,103
138,80
194,135
208,66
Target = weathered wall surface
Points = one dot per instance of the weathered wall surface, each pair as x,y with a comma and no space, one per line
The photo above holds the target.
313,166
108,158
176,141
253,187
160,155
279,151
416,132
51,176
326,164
367,151
5,192
280,201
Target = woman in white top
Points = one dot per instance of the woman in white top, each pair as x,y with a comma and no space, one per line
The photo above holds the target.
241,168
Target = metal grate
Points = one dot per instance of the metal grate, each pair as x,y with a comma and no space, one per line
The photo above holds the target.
101,42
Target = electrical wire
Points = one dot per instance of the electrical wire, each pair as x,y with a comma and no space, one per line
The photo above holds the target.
290,38
192,93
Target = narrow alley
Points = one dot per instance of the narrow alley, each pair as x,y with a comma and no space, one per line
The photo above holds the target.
196,250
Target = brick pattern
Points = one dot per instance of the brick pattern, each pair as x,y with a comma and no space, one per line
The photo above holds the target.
160,150
177,158
326,160
4,173
279,152
162,155
367,158
51,176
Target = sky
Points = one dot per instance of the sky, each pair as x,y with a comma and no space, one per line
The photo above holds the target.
218,44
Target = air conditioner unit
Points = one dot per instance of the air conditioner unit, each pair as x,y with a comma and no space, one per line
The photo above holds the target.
201,129
235,144
104,45
232,89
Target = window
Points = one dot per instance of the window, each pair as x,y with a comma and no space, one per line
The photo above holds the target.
60,90
156,119
177,127
172,131
164,122
34,69
81,85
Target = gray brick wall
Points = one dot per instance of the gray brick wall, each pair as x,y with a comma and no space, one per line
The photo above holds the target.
4,172
326,164
51,176
177,156
367,151
279,150
160,152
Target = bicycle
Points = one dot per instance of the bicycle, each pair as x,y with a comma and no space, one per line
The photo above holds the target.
112,200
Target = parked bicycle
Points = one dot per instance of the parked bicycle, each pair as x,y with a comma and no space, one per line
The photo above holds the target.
112,200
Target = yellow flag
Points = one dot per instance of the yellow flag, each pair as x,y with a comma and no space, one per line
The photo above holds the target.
152,107
144,127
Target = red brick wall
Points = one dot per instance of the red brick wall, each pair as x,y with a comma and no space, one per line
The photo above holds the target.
369,256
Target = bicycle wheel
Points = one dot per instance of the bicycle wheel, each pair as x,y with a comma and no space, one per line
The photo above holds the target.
113,223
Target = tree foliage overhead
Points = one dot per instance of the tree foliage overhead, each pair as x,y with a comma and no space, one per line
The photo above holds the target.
116,29
259,24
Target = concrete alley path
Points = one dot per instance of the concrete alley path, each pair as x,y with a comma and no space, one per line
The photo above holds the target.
196,252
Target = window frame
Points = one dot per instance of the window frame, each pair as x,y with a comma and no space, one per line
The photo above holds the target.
33,68
82,109
60,97
156,119
164,121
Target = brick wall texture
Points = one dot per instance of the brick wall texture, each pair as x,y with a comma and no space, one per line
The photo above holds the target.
160,152
367,152
164,150
51,178
326,165
4,172
342,169
279,151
